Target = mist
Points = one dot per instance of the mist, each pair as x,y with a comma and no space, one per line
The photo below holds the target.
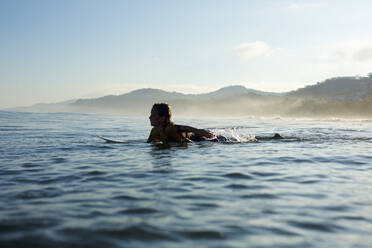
273,106
344,97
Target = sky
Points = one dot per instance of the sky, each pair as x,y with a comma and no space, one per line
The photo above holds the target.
52,51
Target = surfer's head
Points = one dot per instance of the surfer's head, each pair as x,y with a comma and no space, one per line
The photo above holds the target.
161,114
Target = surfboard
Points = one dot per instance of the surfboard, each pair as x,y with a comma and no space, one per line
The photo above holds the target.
110,140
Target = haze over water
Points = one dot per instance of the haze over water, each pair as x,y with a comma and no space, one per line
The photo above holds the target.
61,186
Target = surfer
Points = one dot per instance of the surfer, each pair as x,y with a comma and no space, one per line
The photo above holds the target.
164,130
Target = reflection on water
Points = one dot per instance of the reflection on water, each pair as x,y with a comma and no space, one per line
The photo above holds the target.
61,186
161,155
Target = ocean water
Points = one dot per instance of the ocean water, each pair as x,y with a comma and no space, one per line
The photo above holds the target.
61,186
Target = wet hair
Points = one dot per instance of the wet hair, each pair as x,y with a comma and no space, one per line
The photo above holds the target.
163,110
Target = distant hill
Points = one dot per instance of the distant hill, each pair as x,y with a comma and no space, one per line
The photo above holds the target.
153,95
339,88
335,97
139,101
234,90
45,107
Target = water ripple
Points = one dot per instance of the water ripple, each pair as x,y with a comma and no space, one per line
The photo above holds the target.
259,196
238,175
202,234
61,187
315,226
139,211
27,224
135,232
236,186
126,197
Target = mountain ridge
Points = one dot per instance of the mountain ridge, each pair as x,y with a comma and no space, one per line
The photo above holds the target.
340,96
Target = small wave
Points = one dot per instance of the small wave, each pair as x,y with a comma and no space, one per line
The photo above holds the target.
203,234
40,193
95,179
144,233
206,205
26,224
125,197
62,179
238,175
236,186
336,208
10,172
259,196
139,211
279,231
203,179
361,139
9,129
30,165
59,160
193,197
96,173
110,236
66,149
353,218
316,226
266,174
310,182
307,195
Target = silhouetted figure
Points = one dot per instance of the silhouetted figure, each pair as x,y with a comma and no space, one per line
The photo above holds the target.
164,130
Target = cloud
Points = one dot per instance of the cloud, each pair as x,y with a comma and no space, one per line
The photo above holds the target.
253,49
363,54
348,51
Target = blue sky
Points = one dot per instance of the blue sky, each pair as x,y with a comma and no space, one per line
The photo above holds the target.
52,50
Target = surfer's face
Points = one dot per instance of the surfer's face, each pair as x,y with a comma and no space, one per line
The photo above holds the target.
155,119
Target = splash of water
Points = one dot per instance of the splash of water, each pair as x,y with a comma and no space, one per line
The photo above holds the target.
233,135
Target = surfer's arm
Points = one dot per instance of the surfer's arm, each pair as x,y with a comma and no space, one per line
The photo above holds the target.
152,137
276,136
199,133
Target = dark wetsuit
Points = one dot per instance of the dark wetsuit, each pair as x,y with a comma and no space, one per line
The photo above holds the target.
171,133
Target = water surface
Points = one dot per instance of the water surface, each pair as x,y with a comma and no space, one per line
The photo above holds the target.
61,186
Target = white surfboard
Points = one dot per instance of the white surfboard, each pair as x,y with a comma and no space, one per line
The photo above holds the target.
110,140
